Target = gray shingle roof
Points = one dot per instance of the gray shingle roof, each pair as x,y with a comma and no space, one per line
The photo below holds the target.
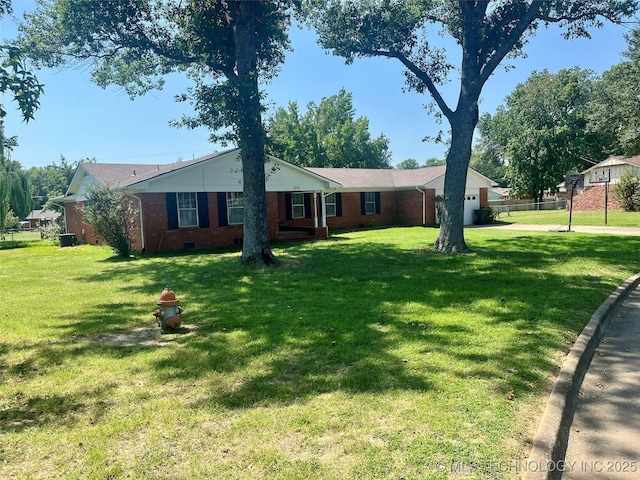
126,174
380,178
634,160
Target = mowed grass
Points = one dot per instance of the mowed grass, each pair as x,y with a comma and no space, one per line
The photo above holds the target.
363,356
615,218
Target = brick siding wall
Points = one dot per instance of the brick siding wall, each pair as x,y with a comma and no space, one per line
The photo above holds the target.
159,238
352,216
76,225
592,199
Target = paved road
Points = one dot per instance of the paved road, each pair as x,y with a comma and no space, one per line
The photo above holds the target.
604,442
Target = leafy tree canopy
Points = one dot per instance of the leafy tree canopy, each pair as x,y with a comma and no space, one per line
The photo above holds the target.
542,131
50,181
487,33
327,135
615,108
408,164
226,47
434,162
14,186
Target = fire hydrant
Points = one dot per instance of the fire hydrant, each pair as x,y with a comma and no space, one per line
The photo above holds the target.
168,313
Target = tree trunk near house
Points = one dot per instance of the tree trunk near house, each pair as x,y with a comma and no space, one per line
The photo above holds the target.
463,122
255,247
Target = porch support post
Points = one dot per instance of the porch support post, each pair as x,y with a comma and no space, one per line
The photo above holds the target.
315,209
323,209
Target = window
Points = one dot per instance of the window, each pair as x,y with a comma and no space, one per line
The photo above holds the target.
235,208
330,205
297,205
370,203
187,210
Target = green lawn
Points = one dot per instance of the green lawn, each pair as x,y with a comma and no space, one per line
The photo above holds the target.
363,356
615,218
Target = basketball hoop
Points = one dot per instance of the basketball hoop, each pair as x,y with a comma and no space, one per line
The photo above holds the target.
600,175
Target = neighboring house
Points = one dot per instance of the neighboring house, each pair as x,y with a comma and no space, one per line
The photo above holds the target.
592,196
498,194
40,217
199,203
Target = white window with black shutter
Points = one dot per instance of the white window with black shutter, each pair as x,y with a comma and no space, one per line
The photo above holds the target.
297,205
187,209
235,208
370,203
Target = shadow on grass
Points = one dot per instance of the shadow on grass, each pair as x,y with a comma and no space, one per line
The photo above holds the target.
339,316
60,410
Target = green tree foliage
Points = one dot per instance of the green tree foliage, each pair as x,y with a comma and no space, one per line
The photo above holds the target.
113,216
15,78
412,163
542,131
627,191
615,109
487,32
225,47
14,186
408,164
487,155
327,135
50,181
25,91
434,162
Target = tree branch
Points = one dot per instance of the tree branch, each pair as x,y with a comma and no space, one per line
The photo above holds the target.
425,78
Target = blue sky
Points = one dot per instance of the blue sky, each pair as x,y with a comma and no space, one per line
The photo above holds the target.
77,119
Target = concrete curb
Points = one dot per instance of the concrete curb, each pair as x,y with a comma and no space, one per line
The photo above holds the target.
550,444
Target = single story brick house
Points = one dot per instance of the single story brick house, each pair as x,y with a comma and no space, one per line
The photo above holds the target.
40,217
199,203
592,196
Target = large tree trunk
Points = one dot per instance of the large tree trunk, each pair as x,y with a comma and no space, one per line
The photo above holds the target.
255,247
451,235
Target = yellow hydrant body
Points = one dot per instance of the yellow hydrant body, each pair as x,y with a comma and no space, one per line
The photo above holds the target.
168,312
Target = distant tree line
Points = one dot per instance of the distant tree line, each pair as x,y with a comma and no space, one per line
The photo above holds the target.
557,123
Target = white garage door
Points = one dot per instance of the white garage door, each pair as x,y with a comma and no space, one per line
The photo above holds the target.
471,203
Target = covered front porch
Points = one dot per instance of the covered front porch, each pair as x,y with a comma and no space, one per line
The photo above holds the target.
302,215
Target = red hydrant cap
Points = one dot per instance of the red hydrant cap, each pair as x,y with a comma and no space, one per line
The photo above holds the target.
168,298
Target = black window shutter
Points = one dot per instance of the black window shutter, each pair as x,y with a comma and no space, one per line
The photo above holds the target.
172,210
378,202
203,210
307,205
287,205
223,219
363,207
338,204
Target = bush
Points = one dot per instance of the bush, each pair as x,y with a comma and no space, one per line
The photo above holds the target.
113,216
49,231
10,221
627,191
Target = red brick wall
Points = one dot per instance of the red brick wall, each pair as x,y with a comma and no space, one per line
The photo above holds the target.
409,207
159,238
157,235
592,199
352,217
75,224
396,208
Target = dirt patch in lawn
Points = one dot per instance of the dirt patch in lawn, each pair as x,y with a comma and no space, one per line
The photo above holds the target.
147,337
